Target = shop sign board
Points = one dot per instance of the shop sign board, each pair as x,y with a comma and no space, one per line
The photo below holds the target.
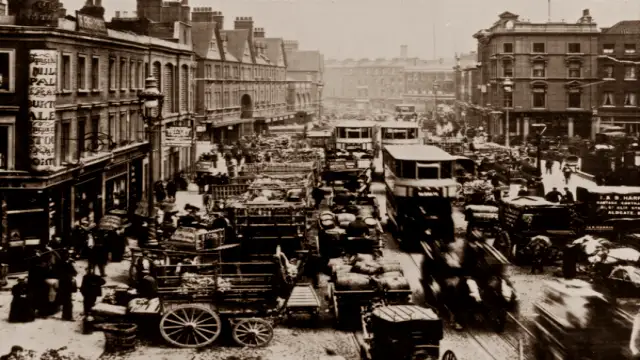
38,12
91,24
43,65
180,136
610,205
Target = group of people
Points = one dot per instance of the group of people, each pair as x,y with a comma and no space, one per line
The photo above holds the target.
556,196
50,285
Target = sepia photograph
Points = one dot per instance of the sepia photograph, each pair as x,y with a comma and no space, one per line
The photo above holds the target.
319,180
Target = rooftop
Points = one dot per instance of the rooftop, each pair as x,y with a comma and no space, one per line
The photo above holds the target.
418,153
399,125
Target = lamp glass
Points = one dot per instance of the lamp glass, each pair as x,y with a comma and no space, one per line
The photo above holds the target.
151,104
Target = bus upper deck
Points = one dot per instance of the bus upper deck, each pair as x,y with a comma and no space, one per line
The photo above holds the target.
354,135
399,133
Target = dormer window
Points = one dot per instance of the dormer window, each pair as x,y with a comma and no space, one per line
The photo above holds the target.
608,48
629,48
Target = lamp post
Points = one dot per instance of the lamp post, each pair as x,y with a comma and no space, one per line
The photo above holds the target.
436,86
507,86
540,128
151,99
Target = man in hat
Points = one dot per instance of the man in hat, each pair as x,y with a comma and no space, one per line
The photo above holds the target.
90,289
21,306
66,285
15,354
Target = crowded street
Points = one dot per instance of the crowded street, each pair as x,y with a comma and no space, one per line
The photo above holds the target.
179,181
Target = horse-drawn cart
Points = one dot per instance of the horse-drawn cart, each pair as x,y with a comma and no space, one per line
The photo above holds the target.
403,332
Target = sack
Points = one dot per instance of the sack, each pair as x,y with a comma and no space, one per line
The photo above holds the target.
367,268
389,267
364,258
391,274
394,283
351,281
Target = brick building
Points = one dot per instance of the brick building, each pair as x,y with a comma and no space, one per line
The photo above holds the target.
618,68
241,77
382,84
71,138
553,66
305,73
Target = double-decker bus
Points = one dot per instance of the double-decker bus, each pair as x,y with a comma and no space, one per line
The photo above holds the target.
352,150
420,184
399,133
406,112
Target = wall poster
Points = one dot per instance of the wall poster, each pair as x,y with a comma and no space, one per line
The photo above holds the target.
43,67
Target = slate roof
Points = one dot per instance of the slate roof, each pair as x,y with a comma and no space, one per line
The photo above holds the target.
202,35
275,51
625,27
236,41
310,61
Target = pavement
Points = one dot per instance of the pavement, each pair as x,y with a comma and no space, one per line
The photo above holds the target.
556,179
52,332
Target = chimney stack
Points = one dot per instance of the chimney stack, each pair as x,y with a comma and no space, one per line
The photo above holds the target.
202,15
117,14
404,52
219,19
125,14
586,17
290,45
258,33
97,3
244,22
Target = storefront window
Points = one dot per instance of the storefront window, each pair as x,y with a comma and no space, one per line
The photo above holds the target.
116,192
87,204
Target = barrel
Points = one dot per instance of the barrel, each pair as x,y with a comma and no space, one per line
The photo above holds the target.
328,224
327,216
371,222
119,337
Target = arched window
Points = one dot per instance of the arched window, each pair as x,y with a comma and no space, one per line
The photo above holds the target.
168,90
184,88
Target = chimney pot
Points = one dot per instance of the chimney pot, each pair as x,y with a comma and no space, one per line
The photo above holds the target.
585,12
97,3
117,14
124,14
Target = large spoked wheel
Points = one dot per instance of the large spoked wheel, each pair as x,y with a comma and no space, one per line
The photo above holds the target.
449,355
190,326
253,333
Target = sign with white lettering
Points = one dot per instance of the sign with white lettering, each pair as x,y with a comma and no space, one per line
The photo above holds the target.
617,205
179,136
38,12
90,24
43,65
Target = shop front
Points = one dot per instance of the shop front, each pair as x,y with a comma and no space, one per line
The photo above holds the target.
116,185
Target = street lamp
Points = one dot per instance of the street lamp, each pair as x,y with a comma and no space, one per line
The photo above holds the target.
540,128
151,100
436,86
507,86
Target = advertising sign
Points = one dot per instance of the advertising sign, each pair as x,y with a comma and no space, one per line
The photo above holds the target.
180,136
43,66
609,206
38,12
91,24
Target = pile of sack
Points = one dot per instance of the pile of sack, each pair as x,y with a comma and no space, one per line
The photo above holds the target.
364,272
481,212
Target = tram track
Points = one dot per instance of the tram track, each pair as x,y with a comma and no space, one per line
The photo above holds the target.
494,346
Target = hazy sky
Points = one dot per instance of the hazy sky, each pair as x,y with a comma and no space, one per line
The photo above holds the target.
377,28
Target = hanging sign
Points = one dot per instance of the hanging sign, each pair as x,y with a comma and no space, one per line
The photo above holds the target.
180,136
43,65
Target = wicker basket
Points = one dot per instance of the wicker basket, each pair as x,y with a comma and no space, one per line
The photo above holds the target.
119,337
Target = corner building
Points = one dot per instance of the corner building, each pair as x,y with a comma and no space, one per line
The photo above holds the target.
553,67
71,138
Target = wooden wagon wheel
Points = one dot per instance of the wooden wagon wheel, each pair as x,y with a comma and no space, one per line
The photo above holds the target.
254,332
449,355
190,326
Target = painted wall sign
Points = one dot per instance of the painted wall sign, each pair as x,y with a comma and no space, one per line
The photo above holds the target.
91,24
609,206
43,66
178,136
38,12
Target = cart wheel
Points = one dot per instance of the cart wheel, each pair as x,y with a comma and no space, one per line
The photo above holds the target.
190,326
254,332
449,355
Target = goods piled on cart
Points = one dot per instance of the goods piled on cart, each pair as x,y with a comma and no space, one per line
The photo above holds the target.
366,272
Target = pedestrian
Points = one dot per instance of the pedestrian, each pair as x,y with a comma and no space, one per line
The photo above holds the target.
568,196
523,191
67,285
15,354
91,289
159,190
567,174
21,310
172,189
98,255
553,196
318,195
549,166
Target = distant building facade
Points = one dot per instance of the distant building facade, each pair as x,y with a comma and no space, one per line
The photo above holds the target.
618,66
305,74
382,84
553,67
